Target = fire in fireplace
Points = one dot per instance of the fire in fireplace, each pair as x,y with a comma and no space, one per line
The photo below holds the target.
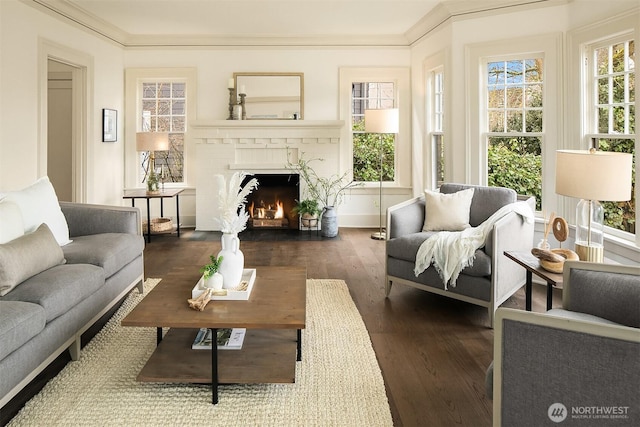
270,205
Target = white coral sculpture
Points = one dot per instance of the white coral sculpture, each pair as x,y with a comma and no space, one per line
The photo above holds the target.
232,199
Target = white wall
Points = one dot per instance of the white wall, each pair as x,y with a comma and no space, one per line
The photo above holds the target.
320,67
22,30
453,38
321,95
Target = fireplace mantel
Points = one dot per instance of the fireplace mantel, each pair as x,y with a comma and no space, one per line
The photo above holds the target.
265,131
257,146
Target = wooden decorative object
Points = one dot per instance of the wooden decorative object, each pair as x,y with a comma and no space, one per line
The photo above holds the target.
553,260
546,255
560,229
201,302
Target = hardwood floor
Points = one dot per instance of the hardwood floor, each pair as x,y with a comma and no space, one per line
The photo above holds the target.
433,351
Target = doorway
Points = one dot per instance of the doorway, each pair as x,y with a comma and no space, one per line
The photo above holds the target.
66,161
60,165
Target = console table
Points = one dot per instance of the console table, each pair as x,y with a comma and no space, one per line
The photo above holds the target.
142,194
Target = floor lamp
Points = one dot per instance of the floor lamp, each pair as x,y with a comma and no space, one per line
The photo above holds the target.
592,176
381,121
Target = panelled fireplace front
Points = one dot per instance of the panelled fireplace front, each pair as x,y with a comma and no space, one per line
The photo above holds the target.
270,205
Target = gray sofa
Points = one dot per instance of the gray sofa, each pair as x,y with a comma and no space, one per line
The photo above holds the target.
492,278
47,313
576,365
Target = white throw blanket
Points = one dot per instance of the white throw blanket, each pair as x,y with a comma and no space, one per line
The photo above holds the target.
452,251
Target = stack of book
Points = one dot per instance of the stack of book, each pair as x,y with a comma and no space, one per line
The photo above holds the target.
227,339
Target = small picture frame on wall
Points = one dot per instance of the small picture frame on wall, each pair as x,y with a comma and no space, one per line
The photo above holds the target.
109,125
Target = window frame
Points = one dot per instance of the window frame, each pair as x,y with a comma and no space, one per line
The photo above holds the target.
379,99
142,124
400,77
133,120
577,118
546,46
590,113
506,109
435,119
434,63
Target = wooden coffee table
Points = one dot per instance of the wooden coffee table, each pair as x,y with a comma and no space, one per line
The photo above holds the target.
274,316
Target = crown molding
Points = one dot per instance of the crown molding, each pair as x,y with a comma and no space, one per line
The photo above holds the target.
444,12
293,41
69,13
471,9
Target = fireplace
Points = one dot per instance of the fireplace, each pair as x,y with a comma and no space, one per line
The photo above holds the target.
269,205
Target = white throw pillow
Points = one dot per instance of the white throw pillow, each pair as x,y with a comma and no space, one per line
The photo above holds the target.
11,225
447,212
39,204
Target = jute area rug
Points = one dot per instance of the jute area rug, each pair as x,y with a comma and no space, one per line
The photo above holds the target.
338,381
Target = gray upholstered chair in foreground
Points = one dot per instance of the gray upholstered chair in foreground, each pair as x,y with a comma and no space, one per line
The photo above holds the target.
580,363
492,278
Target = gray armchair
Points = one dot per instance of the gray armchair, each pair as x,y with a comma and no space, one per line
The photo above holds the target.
492,278
579,364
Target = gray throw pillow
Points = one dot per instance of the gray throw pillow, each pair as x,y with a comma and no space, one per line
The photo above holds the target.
27,256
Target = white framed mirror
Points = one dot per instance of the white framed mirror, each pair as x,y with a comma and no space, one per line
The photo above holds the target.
272,96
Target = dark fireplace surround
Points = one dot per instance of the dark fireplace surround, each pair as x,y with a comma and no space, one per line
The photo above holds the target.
270,205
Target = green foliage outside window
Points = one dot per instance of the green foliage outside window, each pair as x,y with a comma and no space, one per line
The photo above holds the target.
621,215
516,163
366,155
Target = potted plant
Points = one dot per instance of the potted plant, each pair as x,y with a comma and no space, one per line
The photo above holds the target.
212,279
328,191
308,209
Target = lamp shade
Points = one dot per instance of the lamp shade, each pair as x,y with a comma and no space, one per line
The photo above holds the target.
152,141
593,175
381,121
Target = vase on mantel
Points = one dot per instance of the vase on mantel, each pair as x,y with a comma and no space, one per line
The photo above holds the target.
232,264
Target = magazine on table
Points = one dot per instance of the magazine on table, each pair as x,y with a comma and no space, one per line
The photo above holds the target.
228,339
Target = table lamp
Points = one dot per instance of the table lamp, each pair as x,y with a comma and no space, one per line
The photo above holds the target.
152,142
592,176
381,121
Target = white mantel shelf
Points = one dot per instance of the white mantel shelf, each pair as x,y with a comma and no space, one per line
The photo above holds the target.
294,124
265,131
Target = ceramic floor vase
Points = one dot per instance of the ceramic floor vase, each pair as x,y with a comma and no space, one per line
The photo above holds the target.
329,222
232,261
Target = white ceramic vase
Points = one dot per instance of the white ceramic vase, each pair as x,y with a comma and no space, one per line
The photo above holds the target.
214,282
232,261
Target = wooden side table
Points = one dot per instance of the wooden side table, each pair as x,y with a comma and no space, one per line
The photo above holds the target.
142,194
532,265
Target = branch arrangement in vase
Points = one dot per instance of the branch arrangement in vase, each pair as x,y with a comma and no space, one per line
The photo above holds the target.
232,199
328,191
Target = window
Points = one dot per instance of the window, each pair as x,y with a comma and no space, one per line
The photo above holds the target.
167,109
611,73
437,119
514,94
367,147
164,109
373,87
